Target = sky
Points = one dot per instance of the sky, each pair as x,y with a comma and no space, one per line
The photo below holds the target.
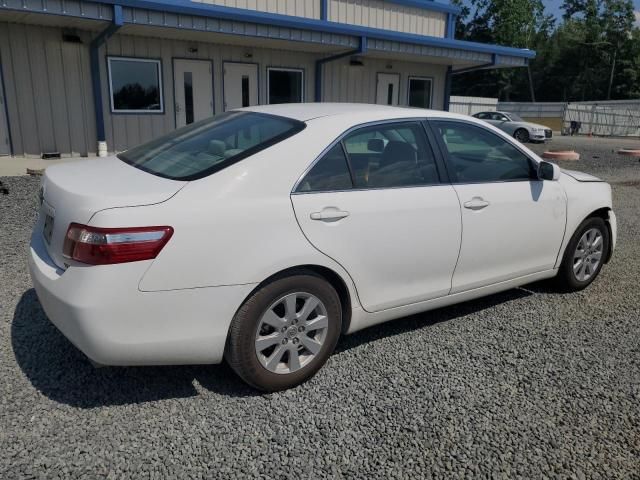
553,6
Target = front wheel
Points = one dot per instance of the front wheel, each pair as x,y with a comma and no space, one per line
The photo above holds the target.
284,332
521,135
584,256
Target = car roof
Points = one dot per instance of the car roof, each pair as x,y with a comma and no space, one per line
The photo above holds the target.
309,111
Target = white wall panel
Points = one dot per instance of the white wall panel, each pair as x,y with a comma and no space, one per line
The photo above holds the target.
48,90
388,16
298,8
345,83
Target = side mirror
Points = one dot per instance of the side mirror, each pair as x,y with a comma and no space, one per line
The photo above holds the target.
548,171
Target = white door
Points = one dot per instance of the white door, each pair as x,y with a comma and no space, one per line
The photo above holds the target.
390,222
193,87
5,147
388,89
240,85
512,223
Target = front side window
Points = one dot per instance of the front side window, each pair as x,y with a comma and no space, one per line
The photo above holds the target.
209,145
285,85
478,155
135,85
391,155
419,92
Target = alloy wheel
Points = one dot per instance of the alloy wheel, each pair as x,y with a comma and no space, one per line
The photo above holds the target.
291,332
588,254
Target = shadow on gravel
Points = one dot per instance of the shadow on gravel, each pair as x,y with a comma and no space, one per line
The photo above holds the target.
426,319
63,374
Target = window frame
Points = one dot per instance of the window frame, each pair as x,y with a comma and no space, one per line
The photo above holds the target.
419,121
444,152
418,77
158,63
287,69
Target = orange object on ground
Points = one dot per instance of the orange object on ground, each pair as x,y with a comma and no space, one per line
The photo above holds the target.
630,152
561,155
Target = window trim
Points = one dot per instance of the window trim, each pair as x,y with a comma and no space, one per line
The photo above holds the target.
420,121
418,77
444,152
287,69
158,63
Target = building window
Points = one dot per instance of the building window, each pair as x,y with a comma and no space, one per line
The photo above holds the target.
285,85
420,92
135,85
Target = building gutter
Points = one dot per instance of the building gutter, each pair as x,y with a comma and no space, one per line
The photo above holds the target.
320,63
94,57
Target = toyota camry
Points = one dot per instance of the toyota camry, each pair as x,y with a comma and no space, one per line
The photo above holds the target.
262,235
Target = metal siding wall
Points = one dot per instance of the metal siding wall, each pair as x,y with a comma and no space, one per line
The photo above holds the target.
298,8
127,130
388,16
48,90
344,83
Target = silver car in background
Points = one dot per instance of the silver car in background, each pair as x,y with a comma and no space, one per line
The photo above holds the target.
515,126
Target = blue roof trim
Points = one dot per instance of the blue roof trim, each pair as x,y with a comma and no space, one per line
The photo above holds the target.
186,7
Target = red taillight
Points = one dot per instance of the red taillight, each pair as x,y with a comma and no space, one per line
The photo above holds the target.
105,246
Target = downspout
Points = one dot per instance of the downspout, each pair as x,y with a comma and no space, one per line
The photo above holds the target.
94,55
320,62
324,9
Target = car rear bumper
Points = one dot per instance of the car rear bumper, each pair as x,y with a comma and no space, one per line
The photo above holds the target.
103,313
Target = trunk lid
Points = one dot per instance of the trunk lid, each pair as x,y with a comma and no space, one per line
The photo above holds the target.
74,192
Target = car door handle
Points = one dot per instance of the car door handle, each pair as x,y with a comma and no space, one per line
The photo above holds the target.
476,203
329,215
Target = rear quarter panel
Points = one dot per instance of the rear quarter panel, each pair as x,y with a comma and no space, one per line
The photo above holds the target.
236,226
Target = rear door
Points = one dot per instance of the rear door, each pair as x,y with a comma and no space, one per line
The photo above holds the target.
375,203
512,223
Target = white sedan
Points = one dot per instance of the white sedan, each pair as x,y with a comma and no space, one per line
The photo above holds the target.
261,235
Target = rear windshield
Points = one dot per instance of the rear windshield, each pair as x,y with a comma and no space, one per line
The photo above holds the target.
205,147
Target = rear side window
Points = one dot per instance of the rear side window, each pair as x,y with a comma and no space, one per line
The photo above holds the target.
329,173
480,156
210,145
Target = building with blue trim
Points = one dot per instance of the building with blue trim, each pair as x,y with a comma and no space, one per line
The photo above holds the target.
80,77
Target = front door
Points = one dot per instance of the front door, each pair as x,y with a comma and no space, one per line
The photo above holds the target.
388,89
5,147
193,87
375,204
240,85
512,223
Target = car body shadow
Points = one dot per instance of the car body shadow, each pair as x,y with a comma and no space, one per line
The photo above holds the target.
63,374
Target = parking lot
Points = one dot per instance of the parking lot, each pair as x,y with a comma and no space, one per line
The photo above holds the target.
527,383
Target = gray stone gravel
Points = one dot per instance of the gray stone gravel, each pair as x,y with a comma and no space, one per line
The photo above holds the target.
524,384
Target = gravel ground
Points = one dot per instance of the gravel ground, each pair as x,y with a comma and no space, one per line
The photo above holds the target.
524,384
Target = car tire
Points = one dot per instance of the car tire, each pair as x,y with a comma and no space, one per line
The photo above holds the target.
579,267
522,135
275,341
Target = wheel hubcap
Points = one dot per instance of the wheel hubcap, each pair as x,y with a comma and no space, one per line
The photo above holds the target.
291,332
588,254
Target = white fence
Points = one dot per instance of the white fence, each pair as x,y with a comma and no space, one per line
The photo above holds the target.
471,105
619,118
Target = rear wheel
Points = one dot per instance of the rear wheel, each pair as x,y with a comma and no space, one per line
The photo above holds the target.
522,135
584,256
285,332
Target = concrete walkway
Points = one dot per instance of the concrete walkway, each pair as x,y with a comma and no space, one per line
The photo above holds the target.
14,166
